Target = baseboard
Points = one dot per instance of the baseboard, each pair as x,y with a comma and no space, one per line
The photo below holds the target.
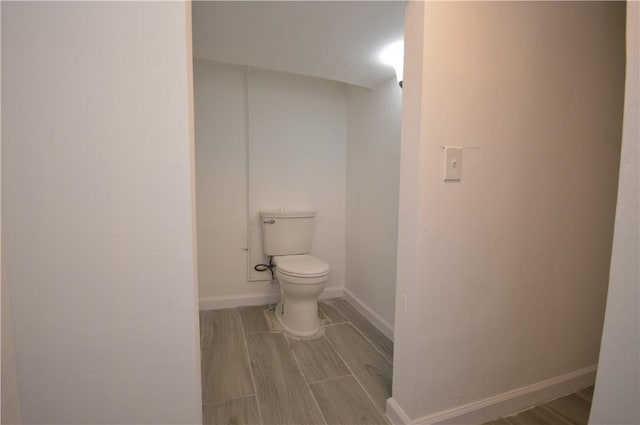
242,300
231,301
395,414
332,293
374,318
502,404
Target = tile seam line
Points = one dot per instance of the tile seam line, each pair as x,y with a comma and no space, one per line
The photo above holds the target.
322,381
313,396
320,336
253,380
562,418
369,340
226,400
375,405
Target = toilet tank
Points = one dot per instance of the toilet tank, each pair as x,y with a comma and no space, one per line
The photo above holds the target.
287,233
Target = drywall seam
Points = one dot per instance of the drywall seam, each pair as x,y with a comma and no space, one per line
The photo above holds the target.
247,126
502,404
374,318
231,301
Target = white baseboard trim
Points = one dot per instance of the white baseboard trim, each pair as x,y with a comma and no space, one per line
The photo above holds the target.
332,293
395,414
500,405
382,325
242,300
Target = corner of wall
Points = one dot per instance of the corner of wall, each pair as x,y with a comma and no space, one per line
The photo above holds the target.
617,389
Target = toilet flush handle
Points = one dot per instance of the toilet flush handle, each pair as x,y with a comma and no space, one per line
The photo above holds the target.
270,221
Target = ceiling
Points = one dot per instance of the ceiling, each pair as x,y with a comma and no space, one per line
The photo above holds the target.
336,40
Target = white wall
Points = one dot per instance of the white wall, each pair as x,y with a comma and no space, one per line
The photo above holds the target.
373,162
506,271
221,179
11,410
297,130
98,219
409,198
10,404
617,385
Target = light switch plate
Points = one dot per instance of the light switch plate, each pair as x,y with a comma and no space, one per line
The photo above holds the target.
452,163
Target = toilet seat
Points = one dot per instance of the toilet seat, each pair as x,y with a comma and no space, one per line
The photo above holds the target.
301,266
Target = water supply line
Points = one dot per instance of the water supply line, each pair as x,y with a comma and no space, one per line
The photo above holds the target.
265,267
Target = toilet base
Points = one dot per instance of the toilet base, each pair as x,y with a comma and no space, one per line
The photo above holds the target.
307,333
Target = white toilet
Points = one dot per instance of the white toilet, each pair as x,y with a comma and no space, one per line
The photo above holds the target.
286,237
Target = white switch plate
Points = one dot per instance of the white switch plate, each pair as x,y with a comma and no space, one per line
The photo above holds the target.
452,163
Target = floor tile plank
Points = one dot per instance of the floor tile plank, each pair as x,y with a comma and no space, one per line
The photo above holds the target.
241,411
329,314
377,338
500,421
225,366
537,416
343,401
571,407
272,321
283,394
253,319
586,393
371,369
317,359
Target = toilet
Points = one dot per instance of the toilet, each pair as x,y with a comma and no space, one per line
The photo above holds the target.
286,238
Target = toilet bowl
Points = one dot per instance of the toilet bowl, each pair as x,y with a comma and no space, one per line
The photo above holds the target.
302,279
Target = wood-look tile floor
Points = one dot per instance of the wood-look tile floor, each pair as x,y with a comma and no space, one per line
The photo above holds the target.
572,409
252,373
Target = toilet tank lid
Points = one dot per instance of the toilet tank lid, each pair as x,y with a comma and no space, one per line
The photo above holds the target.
288,214
302,265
